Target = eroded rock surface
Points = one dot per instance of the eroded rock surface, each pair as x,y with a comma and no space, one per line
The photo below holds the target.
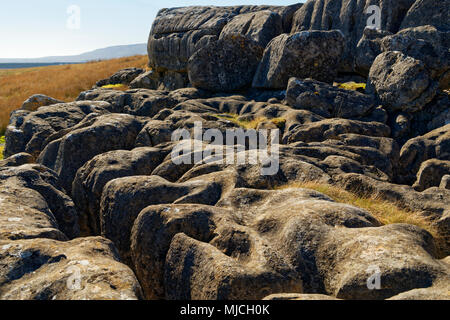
308,54
187,225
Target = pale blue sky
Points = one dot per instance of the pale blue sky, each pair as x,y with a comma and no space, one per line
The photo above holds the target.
31,29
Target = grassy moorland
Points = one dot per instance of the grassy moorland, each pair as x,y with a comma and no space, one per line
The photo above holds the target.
60,82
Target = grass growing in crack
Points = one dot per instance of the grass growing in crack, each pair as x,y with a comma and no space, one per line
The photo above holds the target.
385,212
2,146
351,86
251,124
119,86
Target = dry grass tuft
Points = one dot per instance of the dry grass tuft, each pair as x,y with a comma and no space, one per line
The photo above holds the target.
252,124
2,146
384,211
60,82
120,87
351,86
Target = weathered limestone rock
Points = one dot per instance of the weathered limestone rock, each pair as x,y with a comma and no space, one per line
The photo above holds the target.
326,100
434,203
360,254
125,76
321,242
30,131
17,160
431,173
402,83
260,27
309,54
123,199
445,182
367,49
90,179
351,18
146,80
425,44
332,128
433,145
38,100
217,275
426,12
81,269
33,205
86,140
225,65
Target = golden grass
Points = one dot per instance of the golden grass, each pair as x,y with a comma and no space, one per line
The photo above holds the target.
60,82
252,124
385,212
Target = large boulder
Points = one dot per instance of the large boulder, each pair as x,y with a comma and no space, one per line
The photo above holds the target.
176,31
425,44
260,27
428,12
218,276
228,64
311,54
402,83
326,100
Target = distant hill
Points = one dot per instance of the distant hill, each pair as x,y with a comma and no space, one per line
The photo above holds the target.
99,54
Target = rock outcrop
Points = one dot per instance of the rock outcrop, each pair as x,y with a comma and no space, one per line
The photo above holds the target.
351,18
99,199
